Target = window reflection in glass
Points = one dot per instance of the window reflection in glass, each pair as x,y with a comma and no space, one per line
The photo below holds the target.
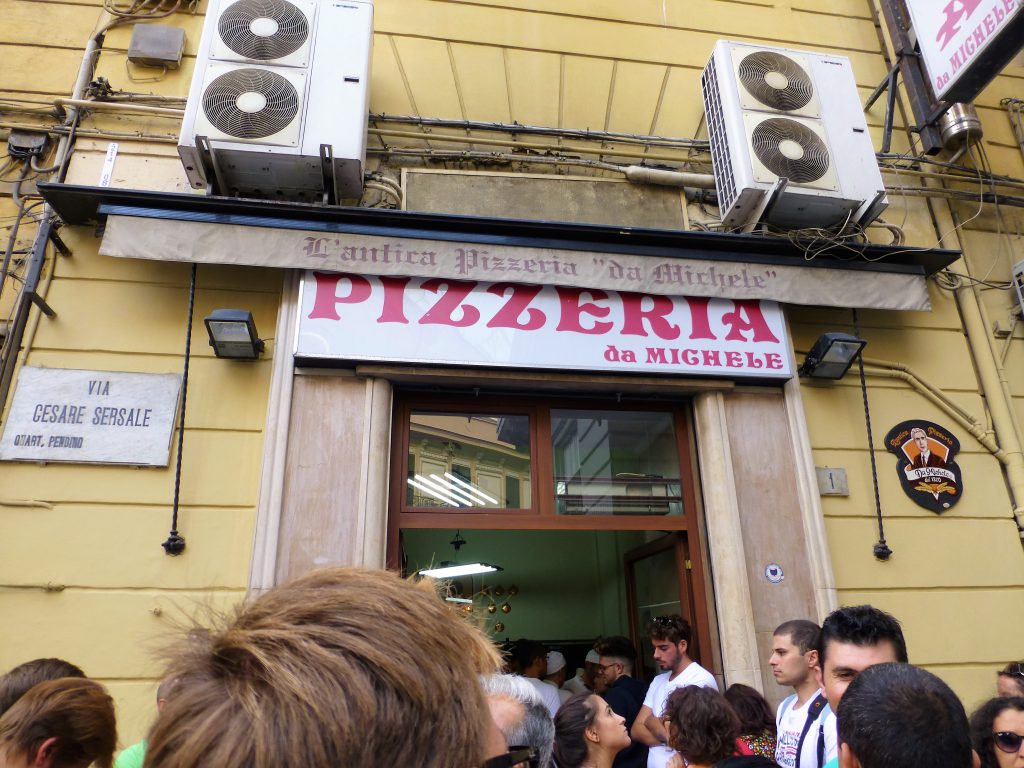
615,463
469,461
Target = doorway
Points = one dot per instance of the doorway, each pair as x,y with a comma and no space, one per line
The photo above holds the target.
565,588
594,500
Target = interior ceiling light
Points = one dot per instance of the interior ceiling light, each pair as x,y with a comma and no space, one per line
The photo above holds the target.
831,356
449,569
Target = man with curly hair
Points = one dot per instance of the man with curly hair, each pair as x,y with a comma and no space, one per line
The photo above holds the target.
670,636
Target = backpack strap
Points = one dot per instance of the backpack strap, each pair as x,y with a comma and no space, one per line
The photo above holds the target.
813,712
786,704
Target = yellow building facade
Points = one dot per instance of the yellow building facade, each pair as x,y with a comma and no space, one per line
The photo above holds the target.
287,465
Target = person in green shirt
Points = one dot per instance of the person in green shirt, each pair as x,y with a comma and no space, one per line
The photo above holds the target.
133,756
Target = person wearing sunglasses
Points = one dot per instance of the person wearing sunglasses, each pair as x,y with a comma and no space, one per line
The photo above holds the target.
1010,681
624,693
997,732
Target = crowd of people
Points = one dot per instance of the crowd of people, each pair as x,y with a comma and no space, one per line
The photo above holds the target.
322,672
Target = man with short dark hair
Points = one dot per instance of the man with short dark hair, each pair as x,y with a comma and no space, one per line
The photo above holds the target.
670,636
899,716
852,639
624,693
18,680
801,741
531,659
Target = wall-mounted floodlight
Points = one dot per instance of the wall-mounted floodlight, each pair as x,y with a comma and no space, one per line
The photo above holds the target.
831,356
233,334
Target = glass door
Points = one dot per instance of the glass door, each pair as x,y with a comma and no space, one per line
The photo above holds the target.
657,584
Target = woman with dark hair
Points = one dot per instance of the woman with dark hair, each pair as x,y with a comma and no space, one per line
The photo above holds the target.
757,722
1010,680
703,729
65,723
588,734
997,732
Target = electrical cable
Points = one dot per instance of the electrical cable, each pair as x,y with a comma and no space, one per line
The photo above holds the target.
881,549
175,543
9,251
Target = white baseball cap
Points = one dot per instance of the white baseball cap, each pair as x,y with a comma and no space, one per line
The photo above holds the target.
556,661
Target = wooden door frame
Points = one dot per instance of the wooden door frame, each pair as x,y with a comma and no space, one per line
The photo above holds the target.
685,528
689,580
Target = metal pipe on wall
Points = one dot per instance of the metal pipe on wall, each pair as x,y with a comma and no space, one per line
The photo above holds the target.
992,383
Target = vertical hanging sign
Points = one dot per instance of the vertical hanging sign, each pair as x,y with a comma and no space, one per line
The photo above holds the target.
965,43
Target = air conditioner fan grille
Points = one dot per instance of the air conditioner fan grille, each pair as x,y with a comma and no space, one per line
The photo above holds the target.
776,80
277,100
263,29
790,149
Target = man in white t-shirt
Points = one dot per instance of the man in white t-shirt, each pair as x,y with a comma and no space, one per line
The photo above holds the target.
802,741
670,636
531,660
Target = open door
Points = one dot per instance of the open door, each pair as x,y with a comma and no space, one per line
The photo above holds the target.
658,584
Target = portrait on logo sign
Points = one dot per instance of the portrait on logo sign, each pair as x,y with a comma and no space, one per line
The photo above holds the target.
926,463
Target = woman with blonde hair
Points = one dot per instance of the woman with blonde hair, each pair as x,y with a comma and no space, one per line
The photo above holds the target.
64,723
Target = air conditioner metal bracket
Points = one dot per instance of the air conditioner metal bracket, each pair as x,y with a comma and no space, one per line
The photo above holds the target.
329,181
766,204
211,167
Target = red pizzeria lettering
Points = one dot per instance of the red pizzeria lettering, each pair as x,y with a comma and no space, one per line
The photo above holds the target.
634,315
702,358
754,321
573,308
955,10
394,300
325,304
584,311
443,312
519,298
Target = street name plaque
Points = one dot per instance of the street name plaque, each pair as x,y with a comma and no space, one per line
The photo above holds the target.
91,417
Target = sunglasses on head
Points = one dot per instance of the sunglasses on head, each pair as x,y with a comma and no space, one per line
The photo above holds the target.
1008,741
1013,669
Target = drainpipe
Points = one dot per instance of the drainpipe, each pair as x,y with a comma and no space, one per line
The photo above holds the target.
940,399
992,389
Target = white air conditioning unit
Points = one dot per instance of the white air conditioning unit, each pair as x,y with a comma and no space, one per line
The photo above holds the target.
774,114
1018,284
279,99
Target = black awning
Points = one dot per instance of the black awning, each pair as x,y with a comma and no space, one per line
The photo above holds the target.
91,205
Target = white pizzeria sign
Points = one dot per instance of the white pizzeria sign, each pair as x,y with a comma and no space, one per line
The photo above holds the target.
102,417
464,322
965,43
